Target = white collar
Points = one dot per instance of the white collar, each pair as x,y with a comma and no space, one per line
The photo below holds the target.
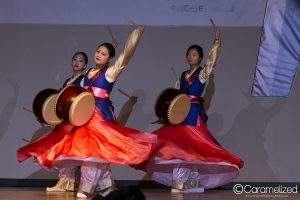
73,79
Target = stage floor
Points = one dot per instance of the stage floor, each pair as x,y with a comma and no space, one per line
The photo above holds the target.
20,193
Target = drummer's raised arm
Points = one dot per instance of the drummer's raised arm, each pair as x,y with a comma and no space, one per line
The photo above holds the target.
211,62
113,71
212,56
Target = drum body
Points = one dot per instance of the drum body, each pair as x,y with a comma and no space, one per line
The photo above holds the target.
75,105
172,106
44,106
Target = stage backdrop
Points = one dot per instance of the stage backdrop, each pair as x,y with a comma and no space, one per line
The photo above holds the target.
35,55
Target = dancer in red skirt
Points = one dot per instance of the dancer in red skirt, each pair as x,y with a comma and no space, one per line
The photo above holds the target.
187,156
43,143
102,140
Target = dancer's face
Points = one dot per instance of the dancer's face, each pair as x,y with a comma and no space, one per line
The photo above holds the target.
102,56
78,62
193,57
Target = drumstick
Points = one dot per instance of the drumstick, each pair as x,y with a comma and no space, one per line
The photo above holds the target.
127,95
212,22
31,111
130,21
159,121
114,41
28,110
174,73
110,33
25,140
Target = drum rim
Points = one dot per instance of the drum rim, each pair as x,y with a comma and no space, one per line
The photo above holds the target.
60,92
41,113
75,102
59,95
158,98
172,104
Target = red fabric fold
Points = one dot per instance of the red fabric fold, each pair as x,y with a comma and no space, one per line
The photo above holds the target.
192,144
43,143
106,140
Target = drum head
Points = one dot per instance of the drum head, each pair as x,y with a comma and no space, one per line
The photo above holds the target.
82,109
48,110
179,109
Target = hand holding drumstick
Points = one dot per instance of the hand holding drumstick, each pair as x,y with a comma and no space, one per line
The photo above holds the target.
216,30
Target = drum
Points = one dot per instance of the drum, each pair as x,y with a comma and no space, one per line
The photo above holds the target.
172,106
75,105
44,106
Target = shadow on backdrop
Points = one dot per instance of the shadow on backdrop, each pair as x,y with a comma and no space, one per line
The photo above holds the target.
247,137
127,108
138,118
209,92
215,124
7,112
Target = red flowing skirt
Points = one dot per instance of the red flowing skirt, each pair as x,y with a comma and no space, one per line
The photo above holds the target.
100,141
191,147
43,143
192,144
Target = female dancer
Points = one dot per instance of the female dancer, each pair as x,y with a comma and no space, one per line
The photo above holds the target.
43,143
79,64
187,157
102,140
